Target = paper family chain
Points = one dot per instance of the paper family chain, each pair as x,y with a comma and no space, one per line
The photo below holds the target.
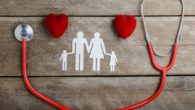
95,48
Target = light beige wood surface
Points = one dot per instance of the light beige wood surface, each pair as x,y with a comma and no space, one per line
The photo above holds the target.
93,7
98,93
134,78
44,52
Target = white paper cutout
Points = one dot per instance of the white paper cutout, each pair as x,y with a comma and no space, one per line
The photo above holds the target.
113,61
63,59
78,47
96,50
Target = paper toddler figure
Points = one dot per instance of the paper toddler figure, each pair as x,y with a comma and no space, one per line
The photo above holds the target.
113,61
63,59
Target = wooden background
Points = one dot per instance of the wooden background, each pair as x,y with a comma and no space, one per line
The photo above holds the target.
134,78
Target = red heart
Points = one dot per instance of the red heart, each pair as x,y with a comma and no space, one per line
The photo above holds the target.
124,25
56,24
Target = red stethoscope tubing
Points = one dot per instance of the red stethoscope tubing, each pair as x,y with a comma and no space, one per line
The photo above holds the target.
163,71
29,85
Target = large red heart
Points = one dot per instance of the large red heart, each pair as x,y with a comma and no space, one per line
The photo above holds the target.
124,25
56,24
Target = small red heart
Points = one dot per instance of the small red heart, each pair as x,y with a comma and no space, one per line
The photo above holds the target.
56,24
124,25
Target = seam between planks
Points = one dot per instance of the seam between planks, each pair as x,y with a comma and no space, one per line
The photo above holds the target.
98,76
97,15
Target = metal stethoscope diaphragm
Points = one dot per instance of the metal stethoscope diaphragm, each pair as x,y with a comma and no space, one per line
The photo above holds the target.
24,30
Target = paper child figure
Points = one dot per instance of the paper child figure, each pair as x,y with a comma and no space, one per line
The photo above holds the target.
113,61
63,59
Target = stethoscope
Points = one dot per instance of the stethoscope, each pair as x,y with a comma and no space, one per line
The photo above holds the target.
24,33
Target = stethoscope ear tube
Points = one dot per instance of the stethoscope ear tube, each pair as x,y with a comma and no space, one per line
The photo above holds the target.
163,71
153,60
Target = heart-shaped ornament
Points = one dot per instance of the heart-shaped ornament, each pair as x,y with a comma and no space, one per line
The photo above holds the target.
56,24
124,25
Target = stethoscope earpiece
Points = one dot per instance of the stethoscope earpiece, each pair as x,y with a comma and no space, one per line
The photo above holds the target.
24,30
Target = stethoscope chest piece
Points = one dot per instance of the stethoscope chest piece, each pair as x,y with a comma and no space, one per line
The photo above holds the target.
23,30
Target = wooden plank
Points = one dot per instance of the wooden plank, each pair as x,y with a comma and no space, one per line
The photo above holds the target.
98,93
93,7
44,61
44,52
157,27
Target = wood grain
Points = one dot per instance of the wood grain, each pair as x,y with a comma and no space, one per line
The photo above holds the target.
93,7
44,61
157,27
44,52
98,93
134,78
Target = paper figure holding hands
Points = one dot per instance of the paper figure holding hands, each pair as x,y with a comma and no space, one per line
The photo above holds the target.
97,51
78,47
113,61
63,59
